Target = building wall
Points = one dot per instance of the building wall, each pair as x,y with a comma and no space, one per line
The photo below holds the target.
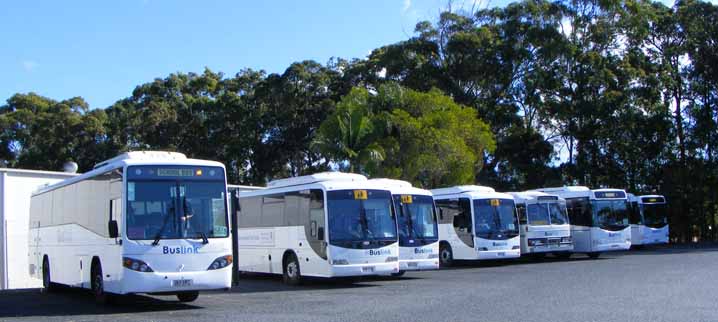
17,187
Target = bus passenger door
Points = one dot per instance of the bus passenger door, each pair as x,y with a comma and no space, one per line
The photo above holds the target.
463,222
317,233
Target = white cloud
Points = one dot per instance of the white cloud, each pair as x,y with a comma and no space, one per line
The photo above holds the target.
29,65
407,5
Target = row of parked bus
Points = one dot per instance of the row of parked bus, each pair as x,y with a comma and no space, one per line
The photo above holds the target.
160,223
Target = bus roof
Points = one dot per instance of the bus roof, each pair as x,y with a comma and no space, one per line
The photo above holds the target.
133,158
314,178
474,192
143,155
343,183
244,188
532,196
461,189
563,189
401,187
581,191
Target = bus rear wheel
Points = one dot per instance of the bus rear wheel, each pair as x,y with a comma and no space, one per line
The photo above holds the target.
291,273
47,285
187,296
593,255
446,255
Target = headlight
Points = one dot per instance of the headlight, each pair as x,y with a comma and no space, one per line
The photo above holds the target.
136,265
340,262
566,240
483,249
392,259
433,256
516,247
221,262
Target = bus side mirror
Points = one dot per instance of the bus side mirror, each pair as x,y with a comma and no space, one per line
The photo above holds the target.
112,228
320,233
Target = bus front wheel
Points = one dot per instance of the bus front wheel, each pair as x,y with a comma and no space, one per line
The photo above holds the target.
446,256
292,275
98,284
187,296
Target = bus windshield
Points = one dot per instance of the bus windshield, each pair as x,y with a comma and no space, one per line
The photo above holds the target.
546,214
537,214
176,208
360,215
416,218
655,215
610,214
558,214
495,219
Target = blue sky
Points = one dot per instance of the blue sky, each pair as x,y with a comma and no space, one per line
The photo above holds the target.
101,50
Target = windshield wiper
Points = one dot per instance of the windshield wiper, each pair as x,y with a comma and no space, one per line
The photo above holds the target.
409,221
204,237
363,220
162,230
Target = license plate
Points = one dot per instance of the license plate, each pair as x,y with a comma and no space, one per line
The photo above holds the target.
181,283
367,269
501,254
412,264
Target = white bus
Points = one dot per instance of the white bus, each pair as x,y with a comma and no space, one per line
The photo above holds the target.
417,226
649,219
324,225
544,224
142,222
476,222
599,218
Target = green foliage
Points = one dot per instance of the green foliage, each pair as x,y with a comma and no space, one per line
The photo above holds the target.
348,135
537,93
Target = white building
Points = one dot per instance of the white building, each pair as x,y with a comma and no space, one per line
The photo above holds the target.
16,186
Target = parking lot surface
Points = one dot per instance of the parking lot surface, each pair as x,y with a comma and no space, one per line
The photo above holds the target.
661,284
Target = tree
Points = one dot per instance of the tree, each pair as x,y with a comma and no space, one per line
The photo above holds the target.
348,135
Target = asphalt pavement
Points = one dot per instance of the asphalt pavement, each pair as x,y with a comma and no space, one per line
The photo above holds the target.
659,284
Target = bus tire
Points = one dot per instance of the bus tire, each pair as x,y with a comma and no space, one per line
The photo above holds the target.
399,274
47,285
97,284
291,273
593,255
186,297
446,255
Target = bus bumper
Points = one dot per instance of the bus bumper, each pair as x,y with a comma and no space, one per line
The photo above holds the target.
550,249
418,264
499,254
365,269
171,282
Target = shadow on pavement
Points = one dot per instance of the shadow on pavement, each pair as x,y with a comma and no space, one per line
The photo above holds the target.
671,249
72,302
258,283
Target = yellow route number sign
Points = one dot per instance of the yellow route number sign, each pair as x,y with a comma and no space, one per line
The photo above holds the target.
360,195
406,199
495,202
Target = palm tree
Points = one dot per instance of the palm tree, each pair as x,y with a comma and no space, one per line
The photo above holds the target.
348,134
